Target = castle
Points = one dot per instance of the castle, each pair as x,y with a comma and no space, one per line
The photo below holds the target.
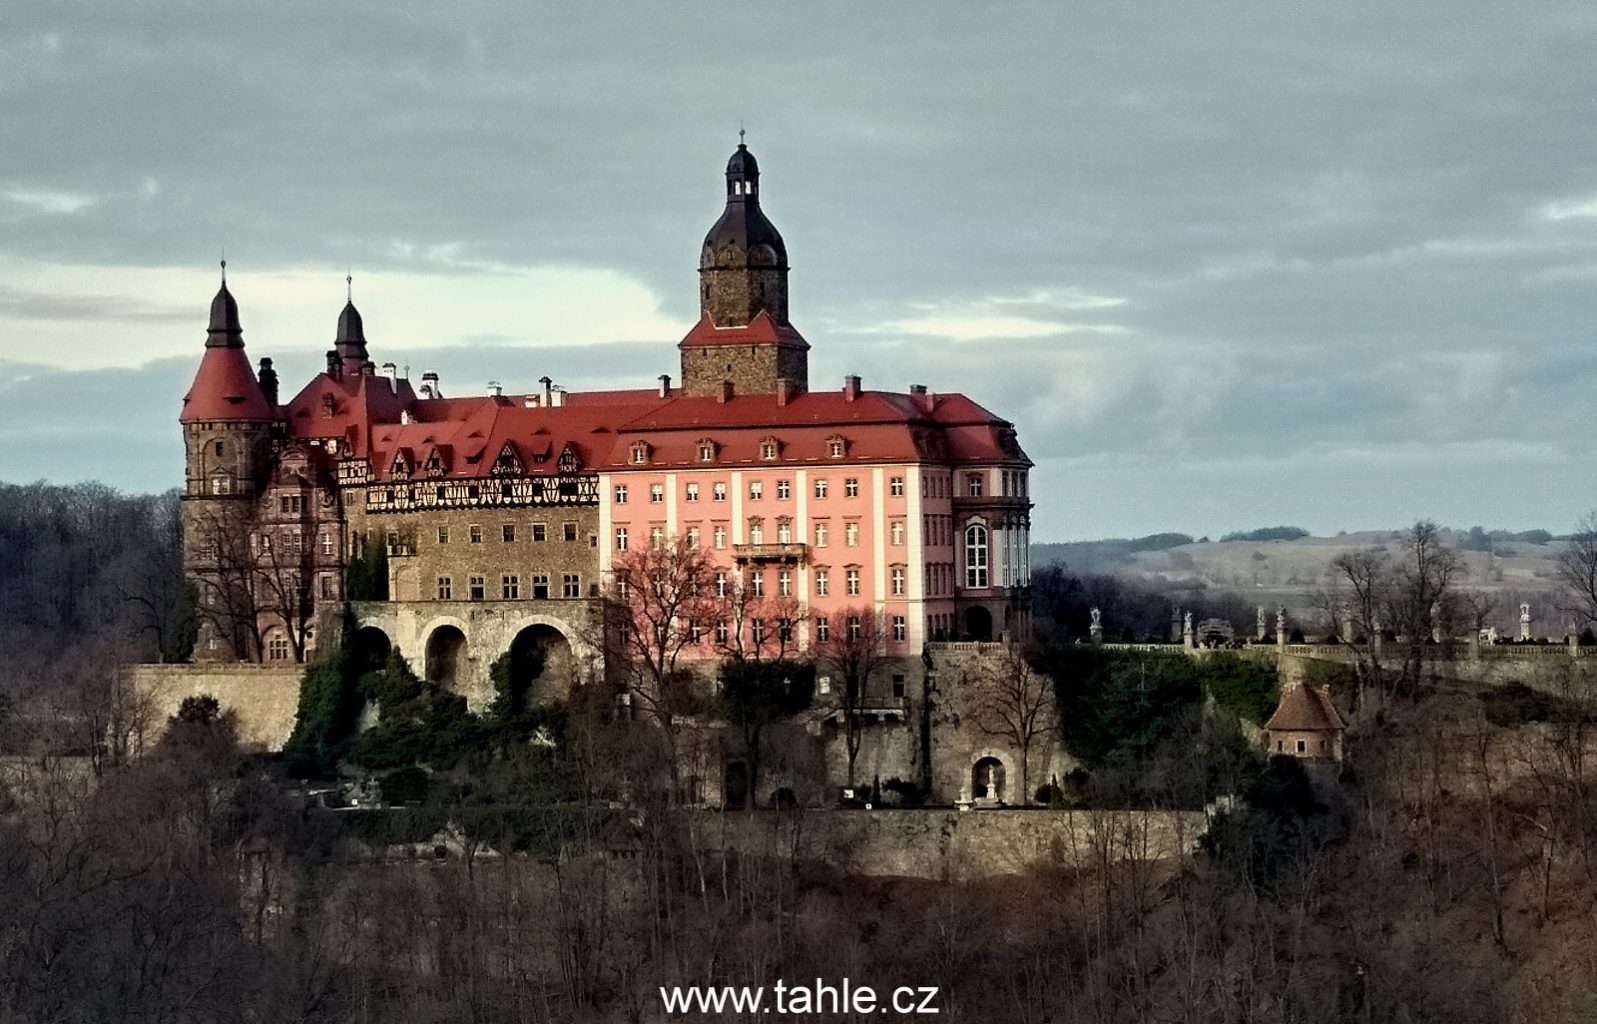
499,517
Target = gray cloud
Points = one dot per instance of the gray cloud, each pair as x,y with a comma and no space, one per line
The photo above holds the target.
1339,235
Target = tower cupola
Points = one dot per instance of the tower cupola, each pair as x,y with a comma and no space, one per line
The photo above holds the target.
743,264
743,342
350,344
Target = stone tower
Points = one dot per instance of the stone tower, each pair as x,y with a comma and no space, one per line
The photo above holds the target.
227,436
743,338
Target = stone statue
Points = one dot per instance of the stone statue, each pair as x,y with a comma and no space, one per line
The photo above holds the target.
1258,625
1097,617
1096,629
1436,622
1187,639
1280,624
1524,620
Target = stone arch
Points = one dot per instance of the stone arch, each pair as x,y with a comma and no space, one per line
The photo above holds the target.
540,663
446,656
987,780
978,623
370,647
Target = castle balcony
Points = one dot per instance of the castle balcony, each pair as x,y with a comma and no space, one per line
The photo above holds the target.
789,553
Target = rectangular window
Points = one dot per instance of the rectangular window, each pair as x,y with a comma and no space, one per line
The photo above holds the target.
851,534
821,582
657,537
508,533
510,586
718,492
540,533
853,627
621,538
656,493
900,632
327,586
820,487
693,536
720,633
895,487
823,633
327,544
851,578
720,584
479,588
898,531
720,538
974,482
476,534
756,490
756,532
692,492
621,494
757,584
446,588
784,490
820,535
570,585
784,532
851,487
540,585
443,535
898,677
569,531
898,581
784,582
757,631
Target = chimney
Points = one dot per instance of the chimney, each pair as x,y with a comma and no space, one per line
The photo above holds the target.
429,385
495,389
921,397
665,385
268,380
548,391
784,390
726,392
368,369
850,387
392,373
530,402
559,396
335,365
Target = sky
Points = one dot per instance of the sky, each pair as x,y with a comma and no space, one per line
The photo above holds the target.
1224,265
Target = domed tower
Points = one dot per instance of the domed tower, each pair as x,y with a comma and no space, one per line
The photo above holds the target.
227,430
743,337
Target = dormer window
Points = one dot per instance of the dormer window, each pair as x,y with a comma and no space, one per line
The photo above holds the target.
835,447
640,453
327,406
507,461
706,450
768,449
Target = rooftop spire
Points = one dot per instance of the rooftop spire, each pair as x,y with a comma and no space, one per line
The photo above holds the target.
224,330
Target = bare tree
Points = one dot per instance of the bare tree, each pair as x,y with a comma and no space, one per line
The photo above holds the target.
1015,701
662,603
1407,594
854,650
225,577
1577,570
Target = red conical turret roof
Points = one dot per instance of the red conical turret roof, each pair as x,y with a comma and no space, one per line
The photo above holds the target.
225,387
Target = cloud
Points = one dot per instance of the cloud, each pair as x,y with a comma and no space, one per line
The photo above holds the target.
49,201
1186,234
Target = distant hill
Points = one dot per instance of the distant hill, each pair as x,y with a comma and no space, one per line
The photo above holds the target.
1287,566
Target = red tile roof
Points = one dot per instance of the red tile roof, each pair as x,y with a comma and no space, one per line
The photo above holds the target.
225,388
762,330
1306,708
598,427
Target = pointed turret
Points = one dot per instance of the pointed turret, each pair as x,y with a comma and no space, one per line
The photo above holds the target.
225,387
350,343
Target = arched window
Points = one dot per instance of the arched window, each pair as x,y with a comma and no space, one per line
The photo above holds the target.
976,556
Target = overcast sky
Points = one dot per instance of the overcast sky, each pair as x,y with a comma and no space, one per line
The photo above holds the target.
1225,265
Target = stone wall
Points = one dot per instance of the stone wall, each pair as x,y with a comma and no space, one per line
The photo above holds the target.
263,698
955,845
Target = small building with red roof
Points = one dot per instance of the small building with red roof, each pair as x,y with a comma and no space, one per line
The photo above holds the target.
1306,725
